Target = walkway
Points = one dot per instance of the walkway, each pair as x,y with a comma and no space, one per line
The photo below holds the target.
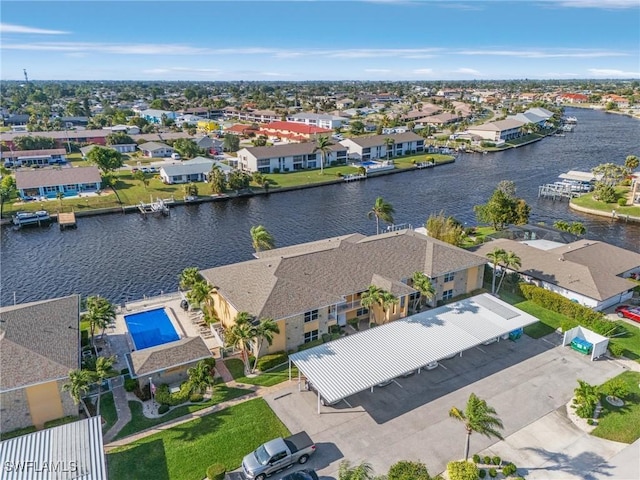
122,408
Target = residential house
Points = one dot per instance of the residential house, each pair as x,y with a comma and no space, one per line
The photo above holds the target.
48,182
209,145
259,116
128,129
156,149
344,103
572,98
287,157
293,131
40,344
330,122
194,170
28,158
188,119
167,363
541,112
155,116
240,129
377,146
635,188
620,101
122,148
499,130
528,117
61,137
307,288
594,274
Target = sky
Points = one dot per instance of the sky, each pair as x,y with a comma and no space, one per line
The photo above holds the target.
374,40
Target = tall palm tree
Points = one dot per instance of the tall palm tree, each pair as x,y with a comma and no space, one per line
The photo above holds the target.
381,211
104,368
78,386
389,143
423,284
387,300
509,261
261,238
370,298
363,471
100,314
323,145
199,293
496,256
265,331
477,417
241,335
200,377
189,277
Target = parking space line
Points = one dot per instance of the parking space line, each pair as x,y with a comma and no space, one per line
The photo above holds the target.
441,365
398,384
481,350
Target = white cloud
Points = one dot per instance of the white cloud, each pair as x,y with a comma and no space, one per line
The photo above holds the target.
611,73
572,53
10,28
604,4
467,71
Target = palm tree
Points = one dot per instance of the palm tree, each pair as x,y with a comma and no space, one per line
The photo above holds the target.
323,145
104,368
585,399
217,179
387,300
189,277
241,335
509,261
371,298
261,238
389,143
381,211
100,314
477,417
265,331
496,257
200,293
364,471
423,284
200,377
78,385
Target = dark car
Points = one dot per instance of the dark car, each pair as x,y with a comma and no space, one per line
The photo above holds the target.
306,474
626,311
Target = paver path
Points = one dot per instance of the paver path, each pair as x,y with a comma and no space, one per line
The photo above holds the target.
122,408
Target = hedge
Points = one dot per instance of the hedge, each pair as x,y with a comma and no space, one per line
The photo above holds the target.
462,471
271,361
164,396
579,314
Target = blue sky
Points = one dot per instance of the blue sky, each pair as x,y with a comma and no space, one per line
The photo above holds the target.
320,40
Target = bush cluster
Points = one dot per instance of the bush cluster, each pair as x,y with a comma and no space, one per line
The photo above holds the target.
509,469
164,396
272,360
493,473
616,350
579,314
496,460
130,384
482,473
476,458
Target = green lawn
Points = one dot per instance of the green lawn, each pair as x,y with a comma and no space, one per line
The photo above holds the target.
139,422
185,451
266,379
622,424
630,341
587,201
108,411
549,321
17,433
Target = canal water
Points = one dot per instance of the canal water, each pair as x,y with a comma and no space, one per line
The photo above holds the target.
124,257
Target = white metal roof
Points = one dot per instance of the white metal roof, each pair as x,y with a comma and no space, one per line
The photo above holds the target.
578,176
70,451
357,362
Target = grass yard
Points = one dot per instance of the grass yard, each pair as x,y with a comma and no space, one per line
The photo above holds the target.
549,321
587,201
108,411
267,379
139,422
630,341
185,451
622,424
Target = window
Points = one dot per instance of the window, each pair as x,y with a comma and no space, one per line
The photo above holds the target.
264,162
361,312
448,277
447,295
402,299
311,336
310,316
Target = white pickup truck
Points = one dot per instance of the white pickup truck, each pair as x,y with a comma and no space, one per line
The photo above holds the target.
277,454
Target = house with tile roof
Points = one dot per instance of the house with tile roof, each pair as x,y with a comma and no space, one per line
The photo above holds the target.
287,157
309,287
377,146
594,274
294,131
40,344
48,182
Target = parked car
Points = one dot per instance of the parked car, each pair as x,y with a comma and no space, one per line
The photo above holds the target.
627,311
277,454
306,474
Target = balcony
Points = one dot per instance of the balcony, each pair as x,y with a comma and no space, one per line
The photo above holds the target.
346,306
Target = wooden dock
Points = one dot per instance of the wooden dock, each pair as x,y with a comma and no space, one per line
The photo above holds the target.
67,220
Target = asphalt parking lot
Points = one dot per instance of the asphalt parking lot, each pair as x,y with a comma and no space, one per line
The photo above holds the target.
408,419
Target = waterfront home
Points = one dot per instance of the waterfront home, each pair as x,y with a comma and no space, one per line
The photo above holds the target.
499,130
287,157
572,98
541,112
321,120
40,344
307,288
194,170
167,363
28,158
48,182
594,274
379,146
156,149
528,117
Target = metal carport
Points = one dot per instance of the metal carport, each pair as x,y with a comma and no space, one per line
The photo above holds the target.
357,362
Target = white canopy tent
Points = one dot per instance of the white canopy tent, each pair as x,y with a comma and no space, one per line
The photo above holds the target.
357,362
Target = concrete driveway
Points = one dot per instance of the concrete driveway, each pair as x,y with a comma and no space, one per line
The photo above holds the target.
524,381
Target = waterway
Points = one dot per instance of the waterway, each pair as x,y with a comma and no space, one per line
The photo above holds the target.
124,257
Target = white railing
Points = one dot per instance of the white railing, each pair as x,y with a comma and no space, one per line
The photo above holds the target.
151,300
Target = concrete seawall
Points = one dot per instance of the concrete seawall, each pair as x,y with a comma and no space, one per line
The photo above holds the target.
612,215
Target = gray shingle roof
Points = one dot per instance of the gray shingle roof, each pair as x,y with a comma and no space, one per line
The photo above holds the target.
151,146
39,341
292,280
288,150
45,177
173,354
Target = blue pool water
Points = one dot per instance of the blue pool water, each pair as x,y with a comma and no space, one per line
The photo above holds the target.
368,163
150,328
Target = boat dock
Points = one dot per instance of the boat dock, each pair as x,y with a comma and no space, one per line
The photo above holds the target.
159,206
67,220
22,219
557,191
353,177
422,165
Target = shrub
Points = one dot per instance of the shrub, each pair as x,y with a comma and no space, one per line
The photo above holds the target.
462,471
164,408
124,371
339,174
616,387
272,360
622,202
509,469
590,421
196,397
163,395
130,384
216,472
493,473
496,460
482,473
616,350
476,458
210,362
407,470
487,460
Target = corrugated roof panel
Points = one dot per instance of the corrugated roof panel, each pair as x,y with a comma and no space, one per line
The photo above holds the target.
355,363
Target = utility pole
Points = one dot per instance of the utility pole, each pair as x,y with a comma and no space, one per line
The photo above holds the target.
26,77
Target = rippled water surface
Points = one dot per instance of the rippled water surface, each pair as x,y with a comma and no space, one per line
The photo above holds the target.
125,256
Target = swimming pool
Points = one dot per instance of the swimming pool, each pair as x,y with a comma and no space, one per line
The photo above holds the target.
150,328
368,163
